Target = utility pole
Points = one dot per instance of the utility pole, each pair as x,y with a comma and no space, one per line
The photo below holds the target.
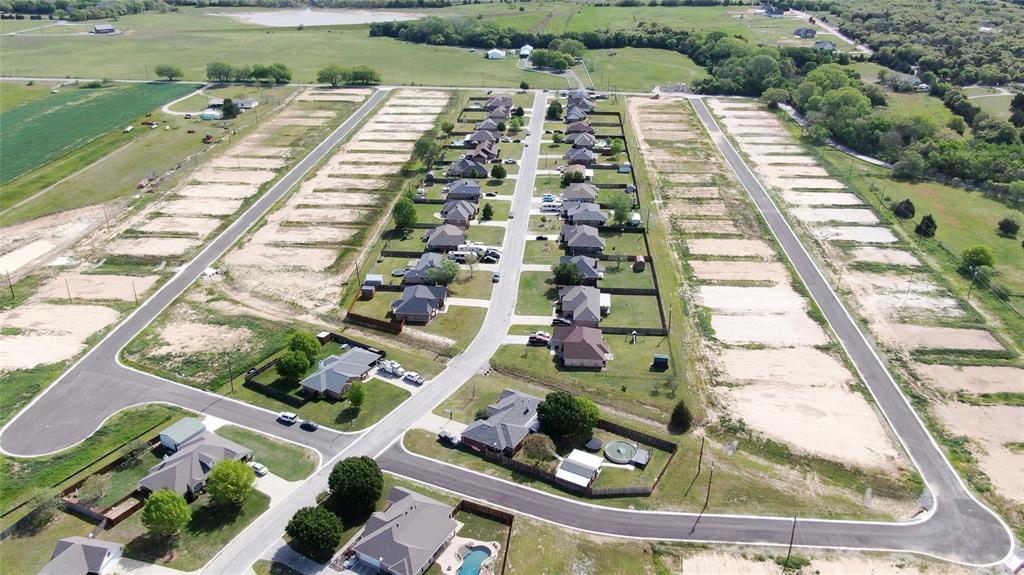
68,288
146,66
10,286
135,293
974,276
700,458
711,476
789,552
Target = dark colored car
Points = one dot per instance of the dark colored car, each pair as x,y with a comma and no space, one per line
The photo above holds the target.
560,321
309,425
542,238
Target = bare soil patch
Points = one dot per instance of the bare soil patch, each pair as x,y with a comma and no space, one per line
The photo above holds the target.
371,158
797,415
365,170
721,563
231,161
295,121
201,207
710,270
745,139
217,190
804,183
931,337
670,135
51,333
750,300
262,255
257,151
765,160
276,234
822,198
313,292
385,117
328,182
703,179
315,215
723,227
697,192
764,150
846,215
336,198
728,247
974,378
412,110
176,224
770,330
400,127
215,175
792,367
885,256
22,256
862,234
703,209
992,427
785,171
96,287
152,246
307,114
752,125
188,337
375,135
381,146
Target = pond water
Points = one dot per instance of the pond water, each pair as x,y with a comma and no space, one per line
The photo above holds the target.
309,17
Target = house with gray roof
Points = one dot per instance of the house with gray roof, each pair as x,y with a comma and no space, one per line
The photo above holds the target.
581,156
498,102
445,237
580,346
186,471
580,140
591,268
581,239
484,152
408,536
805,32
418,274
575,114
581,305
181,432
500,114
471,140
584,104
458,212
488,125
466,168
82,556
419,303
509,420
338,373
580,192
825,45
578,128
464,190
587,213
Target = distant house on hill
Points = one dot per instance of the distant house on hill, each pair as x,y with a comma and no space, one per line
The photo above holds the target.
525,51
495,54
104,29
825,45
805,32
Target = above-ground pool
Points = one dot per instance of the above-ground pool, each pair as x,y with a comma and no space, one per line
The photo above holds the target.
473,560
619,451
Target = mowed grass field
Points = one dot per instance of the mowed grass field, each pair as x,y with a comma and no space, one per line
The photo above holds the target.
44,128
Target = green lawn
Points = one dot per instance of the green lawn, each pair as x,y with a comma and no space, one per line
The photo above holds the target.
14,93
476,285
123,480
21,476
997,106
27,553
536,296
459,324
489,235
633,311
905,104
640,68
619,243
542,251
209,531
267,567
621,275
286,460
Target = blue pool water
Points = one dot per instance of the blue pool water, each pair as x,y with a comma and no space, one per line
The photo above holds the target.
473,560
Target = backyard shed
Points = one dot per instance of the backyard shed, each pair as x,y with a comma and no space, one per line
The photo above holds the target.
181,433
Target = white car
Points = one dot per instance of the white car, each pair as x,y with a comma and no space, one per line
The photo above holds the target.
392,367
259,468
414,378
287,417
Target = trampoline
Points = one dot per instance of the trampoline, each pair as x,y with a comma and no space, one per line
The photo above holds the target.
619,451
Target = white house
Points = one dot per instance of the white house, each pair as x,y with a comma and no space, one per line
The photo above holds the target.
495,54
580,468
525,51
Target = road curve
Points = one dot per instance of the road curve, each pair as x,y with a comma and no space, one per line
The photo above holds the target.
97,386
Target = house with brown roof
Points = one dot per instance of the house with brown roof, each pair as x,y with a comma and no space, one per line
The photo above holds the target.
580,346
471,140
444,237
458,212
580,192
581,239
581,140
488,125
498,102
500,114
509,420
578,128
484,152
408,536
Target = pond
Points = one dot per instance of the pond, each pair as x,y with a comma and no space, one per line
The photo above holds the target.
309,17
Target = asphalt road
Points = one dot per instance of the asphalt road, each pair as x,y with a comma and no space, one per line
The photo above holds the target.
265,532
98,385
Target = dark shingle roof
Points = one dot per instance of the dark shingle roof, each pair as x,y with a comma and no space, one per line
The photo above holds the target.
405,536
580,303
336,372
79,556
192,463
509,421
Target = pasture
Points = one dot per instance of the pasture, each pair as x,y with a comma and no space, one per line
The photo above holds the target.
45,128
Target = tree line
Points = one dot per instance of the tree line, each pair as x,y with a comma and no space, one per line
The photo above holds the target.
78,10
223,72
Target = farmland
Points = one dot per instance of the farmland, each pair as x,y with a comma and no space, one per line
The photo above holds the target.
42,129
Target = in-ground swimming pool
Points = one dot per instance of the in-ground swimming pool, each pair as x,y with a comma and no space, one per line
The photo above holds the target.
473,560
619,451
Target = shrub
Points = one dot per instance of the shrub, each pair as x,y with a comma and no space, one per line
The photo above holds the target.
166,513
523,85
356,484
554,111
1008,227
405,213
487,213
567,274
498,172
315,532
538,447
978,256
681,417
292,365
926,227
904,210
564,416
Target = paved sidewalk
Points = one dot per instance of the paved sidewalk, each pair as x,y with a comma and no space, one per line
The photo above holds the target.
436,424
468,302
275,487
532,319
516,339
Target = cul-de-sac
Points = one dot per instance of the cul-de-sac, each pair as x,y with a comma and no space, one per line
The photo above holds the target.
511,287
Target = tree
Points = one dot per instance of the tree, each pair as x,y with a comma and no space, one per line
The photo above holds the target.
447,127
471,260
443,274
904,210
957,124
356,394
519,112
551,59
926,227
910,167
617,147
44,503
569,46
681,417
515,124
133,452
292,365
538,447
775,96
487,212
229,109
307,343
573,178
622,208
498,172
557,138
280,73
356,483
315,532
523,85
554,111
564,416
261,72
1008,227
501,126
567,274
94,488
405,213
241,73
978,256
334,75
166,513
230,482
218,72
169,71
363,76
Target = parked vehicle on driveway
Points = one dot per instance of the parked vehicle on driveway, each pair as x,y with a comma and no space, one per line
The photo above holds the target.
392,368
496,277
259,468
542,238
560,321
398,272
287,417
414,378
449,438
